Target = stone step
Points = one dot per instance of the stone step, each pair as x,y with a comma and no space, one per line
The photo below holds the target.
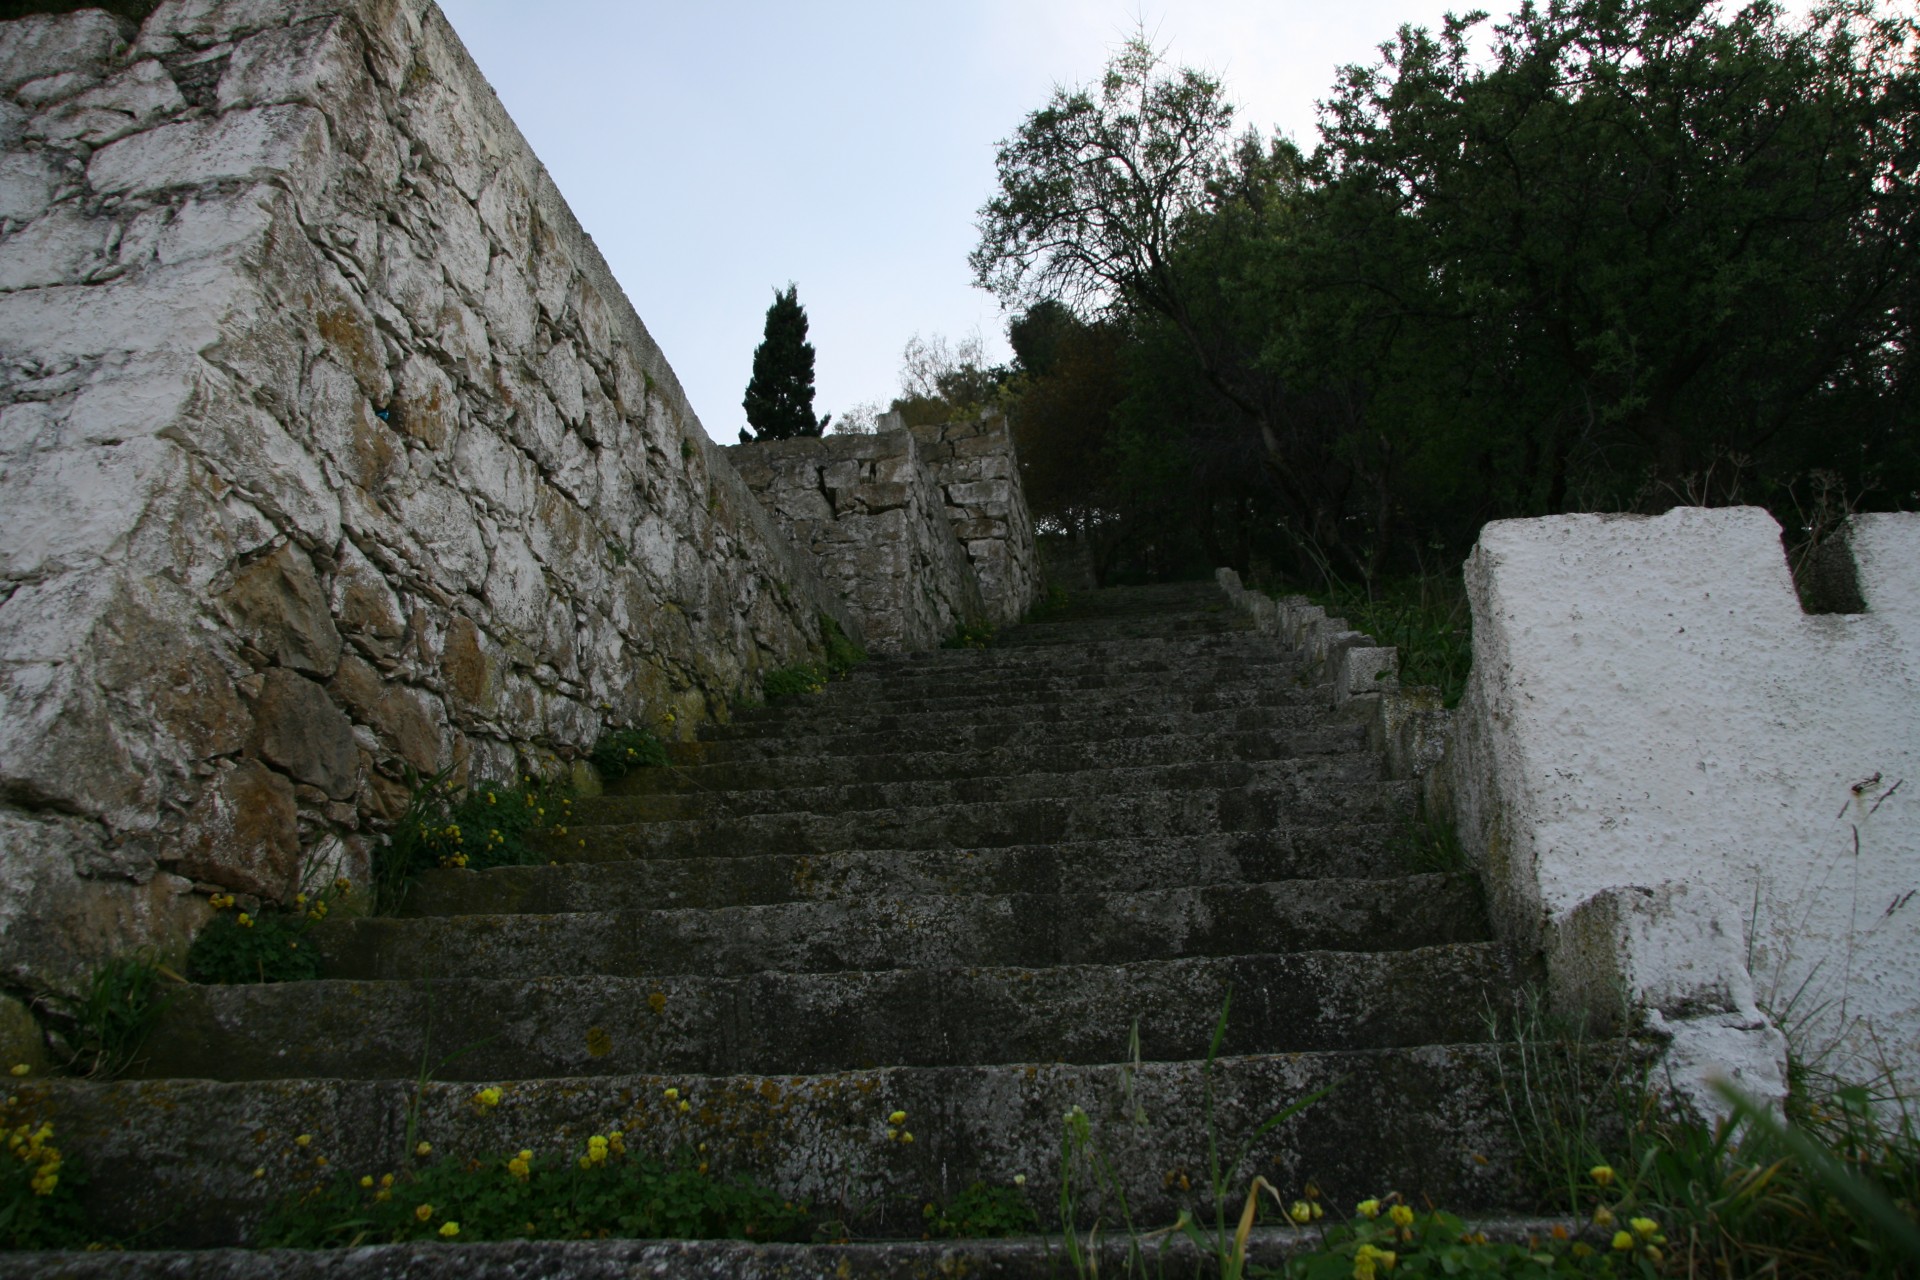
1297,853
1304,776
1091,651
990,730
177,1157
1084,672
913,931
1143,815
1145,697
809,1023
913,761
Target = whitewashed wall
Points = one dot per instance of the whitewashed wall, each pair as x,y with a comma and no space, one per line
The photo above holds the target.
1695,797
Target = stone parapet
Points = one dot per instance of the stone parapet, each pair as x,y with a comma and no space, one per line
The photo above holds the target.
331,453
870,513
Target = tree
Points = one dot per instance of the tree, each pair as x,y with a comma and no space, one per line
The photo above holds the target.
779,400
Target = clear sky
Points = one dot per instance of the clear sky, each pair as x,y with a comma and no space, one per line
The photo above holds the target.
717,150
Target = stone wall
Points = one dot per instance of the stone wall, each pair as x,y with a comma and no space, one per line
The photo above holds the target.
975,468
871,512
329,449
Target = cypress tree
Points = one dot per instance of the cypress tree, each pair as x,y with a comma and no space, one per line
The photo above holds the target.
779,400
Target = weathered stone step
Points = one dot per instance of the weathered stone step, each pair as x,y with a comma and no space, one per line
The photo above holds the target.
1093,651
913,931
1306,775
179,1156
1297,853
1005,727
1091,667
1140,696
809,1023
914,761
988,825
851,696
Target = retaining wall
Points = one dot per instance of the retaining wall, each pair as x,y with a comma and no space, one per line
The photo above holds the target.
977,473
329,448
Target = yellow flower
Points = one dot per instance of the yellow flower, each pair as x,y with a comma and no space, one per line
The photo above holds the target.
1622,1241
1301,1211
898,1117
1603,1217
423,1150
449,1229
259,1173
488,1097
893,1135
423,1212
22,1069
366,1181
299,899
343,884
685,1105
304,1139
1368,1209
1644,1227
1602,1174
1019,1179
906,1137
1402,1216
1581,1249
246,921
386,1180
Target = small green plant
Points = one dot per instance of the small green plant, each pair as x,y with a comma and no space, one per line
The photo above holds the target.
268,945
969,635
1387,1239
982,1211
618,551
843,655
788,682
605,1190
1426,619
621,751
1048,607
111,1022
39,1189
1428,845
486,826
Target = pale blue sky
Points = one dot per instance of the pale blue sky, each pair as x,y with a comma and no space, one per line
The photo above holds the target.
716,151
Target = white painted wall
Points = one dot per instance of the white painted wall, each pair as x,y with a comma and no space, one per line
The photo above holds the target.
1673,773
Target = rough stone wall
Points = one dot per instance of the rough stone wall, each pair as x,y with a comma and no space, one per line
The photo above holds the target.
978,474
1688,793
329,448
870,512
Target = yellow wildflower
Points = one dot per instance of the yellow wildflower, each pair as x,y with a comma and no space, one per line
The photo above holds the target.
1603,1217
1602,1174
305,1139
1402,1216
423,1150
898,1117
1645,1228
366,1181
22,1069
449,1229
685,1105
259,1173
1301,1212
423,1212
1019,1179
245,920
905,1136
386,1179
488,1097
1622,1241
1368,1209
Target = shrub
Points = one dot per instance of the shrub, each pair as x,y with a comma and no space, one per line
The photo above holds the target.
621,751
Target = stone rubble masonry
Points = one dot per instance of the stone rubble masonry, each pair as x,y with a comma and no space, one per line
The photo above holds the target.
870,511
329,449
1694,800
977,473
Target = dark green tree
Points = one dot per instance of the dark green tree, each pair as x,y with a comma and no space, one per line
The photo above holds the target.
779,400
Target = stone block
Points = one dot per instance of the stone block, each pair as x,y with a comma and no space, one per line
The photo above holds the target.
43,44
27,183
22,1044
400,716
243,146
298,728
278,606
138,98
244,833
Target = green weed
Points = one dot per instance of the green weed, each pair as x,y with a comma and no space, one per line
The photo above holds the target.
1048,607
621,751
982,1212
486,826
604,1191
969,635
1427,845
110,1023
1426,618
268,945
789,682
39,1189
843,655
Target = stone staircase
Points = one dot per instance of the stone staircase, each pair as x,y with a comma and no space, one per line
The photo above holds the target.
952,884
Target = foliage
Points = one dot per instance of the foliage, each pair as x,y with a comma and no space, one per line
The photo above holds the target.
267,945
111,1021
39,1190
1426,618
789,682
605,1190
970,635
843,655
486,826
1386,1238
1428,845
981,1212
1639,253
779,399
621,751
